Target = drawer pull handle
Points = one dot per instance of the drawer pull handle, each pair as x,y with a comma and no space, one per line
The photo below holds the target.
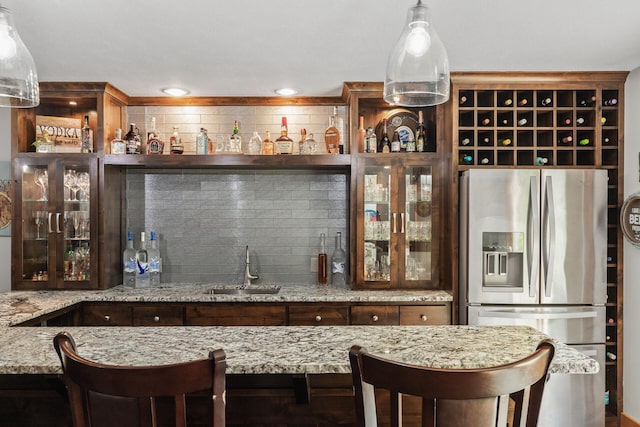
375,318
107,317
423,317
318,318
156,318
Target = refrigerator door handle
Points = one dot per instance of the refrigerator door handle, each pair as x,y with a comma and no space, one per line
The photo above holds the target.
533,227
538,315
548,237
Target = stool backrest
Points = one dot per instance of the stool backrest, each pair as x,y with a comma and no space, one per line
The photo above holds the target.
486,397
139,396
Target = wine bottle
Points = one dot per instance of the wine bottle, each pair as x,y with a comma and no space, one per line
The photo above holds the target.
541,161
338,260
566,139
422,144
465,141
395,142
486,121
362,133
566,122
584,141
484,161
87,137
486,140
523,101
508,102
466,159
610,102
586,102
603,120
545,102
580,121
371,141
463,100
385,144
522,122
322,262
505,141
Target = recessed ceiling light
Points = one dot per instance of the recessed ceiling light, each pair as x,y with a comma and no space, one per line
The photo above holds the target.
175,91
287,91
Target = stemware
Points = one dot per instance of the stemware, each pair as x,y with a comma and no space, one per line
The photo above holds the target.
41,178
75,216
39,218
69,181
83,183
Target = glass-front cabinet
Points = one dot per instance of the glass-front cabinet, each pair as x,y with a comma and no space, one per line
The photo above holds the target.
55,240
396,226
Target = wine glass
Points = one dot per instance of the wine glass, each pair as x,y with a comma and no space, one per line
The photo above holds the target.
39,218
75,216
69,181
41,178
84,224
83,182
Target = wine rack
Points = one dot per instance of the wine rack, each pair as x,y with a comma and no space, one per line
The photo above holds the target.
552,120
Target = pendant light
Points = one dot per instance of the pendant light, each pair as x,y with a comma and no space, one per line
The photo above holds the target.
418,67
18,77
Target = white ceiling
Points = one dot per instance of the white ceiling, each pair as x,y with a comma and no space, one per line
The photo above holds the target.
251,47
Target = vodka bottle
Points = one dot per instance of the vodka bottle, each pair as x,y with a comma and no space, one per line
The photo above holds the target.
155,262
142,263
338,260
129,262
202,143
87,137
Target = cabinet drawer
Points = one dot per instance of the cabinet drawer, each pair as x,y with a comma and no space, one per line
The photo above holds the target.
374,315
236,315
158,315
107,314
425,315
312,314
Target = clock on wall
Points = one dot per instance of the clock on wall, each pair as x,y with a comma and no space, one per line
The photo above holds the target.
630,219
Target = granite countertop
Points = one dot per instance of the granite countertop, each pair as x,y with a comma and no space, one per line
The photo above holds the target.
261,349
19,306
284,349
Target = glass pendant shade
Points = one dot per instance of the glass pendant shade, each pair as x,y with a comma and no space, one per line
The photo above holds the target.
418,67
18,77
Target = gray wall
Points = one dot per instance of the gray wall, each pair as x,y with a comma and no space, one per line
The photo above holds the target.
206,218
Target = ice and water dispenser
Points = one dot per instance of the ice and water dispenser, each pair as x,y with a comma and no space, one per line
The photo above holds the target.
503,259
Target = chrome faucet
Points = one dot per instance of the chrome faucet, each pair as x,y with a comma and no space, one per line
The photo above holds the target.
248,277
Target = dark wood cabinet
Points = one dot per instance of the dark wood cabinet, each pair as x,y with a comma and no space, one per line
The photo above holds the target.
161,314
223,314
106,314
439,314
318,314
375,315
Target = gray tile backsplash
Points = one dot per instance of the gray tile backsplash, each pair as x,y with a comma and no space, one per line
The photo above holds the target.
205,218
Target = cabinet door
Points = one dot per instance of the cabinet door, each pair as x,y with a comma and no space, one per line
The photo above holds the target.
235,315
396,223
55,214
318,314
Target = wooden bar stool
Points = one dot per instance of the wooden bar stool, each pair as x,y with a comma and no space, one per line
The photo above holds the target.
452,397
123,396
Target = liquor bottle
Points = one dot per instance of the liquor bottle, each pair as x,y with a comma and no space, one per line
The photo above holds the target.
545,102
142,263
283,144
338,122
370,141
255,143
586,102
303,141
338,260
176,142
154,143
132,139
541,161
332,137
395,142
87,137
267,145
202,142
155,262
322,262
411,143
311,144
385,144
117,144
422,144
362,133
129,262
235,140
610,102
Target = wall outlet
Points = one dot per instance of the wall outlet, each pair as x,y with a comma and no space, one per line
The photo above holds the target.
314,264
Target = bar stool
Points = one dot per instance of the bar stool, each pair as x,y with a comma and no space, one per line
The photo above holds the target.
123,396
452,397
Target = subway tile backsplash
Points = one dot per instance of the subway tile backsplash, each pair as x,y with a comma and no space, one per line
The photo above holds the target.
205,219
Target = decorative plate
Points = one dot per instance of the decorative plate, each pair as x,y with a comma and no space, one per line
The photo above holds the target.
402,120
5,210
630,219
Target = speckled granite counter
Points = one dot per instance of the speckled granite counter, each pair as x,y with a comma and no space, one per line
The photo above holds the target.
20,306
261,350
284,349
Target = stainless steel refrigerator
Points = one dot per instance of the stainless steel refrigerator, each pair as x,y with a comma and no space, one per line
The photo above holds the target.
533,248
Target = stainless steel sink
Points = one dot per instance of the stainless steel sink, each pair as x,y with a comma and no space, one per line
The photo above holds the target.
242,290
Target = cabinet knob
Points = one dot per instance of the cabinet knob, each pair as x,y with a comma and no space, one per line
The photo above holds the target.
156,318
423,317
375,317
107,317
318,318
